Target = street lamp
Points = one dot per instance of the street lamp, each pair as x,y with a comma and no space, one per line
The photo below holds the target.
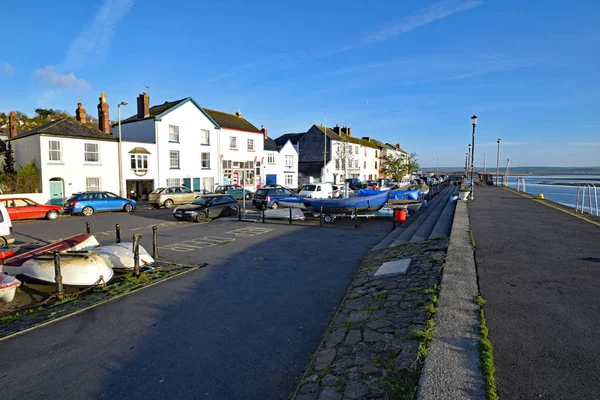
466,163
474,122
469,160
123,103
498,162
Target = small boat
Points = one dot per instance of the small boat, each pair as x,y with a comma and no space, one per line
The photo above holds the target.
85,268
82,241
8,288
9,251
292,202
297,214
364,203
120,256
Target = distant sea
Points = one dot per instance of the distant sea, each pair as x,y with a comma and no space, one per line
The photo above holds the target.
559,188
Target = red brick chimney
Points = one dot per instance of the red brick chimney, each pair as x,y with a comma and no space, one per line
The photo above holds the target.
103,121
264,131
12,125
80,114
143,106
336,129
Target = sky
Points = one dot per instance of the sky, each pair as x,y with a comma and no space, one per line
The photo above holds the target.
409,72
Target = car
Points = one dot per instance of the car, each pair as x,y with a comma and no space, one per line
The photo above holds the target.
24,208
169,196
316,190
267,197
342,194
6,229
207,207
335,192
236,191
87,203
354,183
370,183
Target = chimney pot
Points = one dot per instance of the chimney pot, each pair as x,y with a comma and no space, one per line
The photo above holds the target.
336,129
103,121
264,131
80,114
143,106
238,113
12,125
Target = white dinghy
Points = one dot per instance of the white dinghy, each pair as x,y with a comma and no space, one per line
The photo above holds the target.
8,288
120,256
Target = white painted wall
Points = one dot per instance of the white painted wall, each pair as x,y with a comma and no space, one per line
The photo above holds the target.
129,173
368,154
190,121
288,150
139,131
271,169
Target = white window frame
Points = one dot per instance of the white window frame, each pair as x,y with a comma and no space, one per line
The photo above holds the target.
233,142
289,161
173,153
57,151
250,143
205,137
87,152
205,163
173,182
140,162
289,179
355,149
174,130
271,159
93,184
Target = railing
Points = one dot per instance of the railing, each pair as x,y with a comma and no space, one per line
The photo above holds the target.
592,195
521,182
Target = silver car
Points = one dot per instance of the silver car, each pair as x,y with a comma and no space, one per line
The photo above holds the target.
170,196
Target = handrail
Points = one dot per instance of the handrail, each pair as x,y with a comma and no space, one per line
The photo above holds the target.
522,182
580,199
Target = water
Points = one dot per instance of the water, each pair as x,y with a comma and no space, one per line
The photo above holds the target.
561,193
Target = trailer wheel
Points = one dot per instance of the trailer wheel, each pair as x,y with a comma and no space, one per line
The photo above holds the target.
328,218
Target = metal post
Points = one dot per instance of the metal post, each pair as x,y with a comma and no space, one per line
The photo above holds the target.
498,163
263,214
57,274
118,231
472,162
154,241
484,166
355,218
119,151
87,227
321,217
136,253
290,215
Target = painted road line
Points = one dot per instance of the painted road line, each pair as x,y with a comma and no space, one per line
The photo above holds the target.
196,243
250,231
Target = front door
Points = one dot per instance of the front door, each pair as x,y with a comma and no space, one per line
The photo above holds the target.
196,184
56,193
187,182
271,179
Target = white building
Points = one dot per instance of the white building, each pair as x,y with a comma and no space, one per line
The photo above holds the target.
179,142
280,165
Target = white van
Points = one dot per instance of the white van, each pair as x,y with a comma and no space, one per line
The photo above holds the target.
316,191
6,233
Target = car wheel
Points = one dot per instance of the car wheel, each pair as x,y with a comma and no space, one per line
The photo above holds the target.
127,207
168,203
87,211
52,214
248,196
328,218
328,197
201,217
275,206
234,210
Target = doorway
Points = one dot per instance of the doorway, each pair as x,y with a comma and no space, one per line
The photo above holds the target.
57,191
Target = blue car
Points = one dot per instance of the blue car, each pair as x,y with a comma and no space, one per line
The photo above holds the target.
87,203
268,197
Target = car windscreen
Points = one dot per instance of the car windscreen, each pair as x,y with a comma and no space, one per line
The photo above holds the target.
201,201
261,192
310,188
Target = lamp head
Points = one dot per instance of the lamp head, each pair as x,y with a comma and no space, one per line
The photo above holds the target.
474,120
123,103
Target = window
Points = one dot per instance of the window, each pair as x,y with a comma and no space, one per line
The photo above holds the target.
139,161
173,133
205,160
337,163
376,153
110,195
208,184
55,152
204,137
356,150
289,161
289,179
375,164
233,142
356,163
174,159
365,151
227,164
271,159
173,181
92,184
365,165
249,164
91,152
251,144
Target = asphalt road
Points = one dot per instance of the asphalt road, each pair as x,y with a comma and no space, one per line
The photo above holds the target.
241,328
539,270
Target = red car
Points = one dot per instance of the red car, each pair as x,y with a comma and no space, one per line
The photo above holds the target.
21,208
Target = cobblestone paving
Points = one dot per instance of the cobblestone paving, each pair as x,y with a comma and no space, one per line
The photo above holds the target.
375,346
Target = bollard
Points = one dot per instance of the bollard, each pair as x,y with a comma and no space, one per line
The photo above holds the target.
87,227
263,214
57,274
355,218
240,214
154,241
118,230
290,215
136,253
321,217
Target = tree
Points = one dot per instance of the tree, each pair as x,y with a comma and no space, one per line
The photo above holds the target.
398,167
29,179
8,167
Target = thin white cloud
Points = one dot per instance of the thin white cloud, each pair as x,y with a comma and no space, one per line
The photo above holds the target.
6,68
93,42
51,77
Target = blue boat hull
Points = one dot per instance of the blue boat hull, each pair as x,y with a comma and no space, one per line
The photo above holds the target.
360,204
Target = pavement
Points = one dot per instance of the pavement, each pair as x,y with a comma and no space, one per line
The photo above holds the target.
243,327
538,270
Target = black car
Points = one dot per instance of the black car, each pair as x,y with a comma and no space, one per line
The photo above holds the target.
207,206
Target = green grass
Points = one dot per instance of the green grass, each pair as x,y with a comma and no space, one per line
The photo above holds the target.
472,237
379,296
340,386
486,354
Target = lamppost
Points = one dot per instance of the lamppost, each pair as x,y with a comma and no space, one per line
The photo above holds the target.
123,103
469,160
498,163
466,163
474,122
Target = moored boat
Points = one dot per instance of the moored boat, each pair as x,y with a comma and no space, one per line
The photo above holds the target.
120,256
8,251
364,203
77,269
8,288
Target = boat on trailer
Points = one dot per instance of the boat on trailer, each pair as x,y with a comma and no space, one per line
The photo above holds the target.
351,204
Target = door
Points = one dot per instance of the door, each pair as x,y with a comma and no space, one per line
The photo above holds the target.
187,196
187,182
271,179
56,193
215,208
196,185
113,202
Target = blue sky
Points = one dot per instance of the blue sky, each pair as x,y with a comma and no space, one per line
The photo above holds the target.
411,72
